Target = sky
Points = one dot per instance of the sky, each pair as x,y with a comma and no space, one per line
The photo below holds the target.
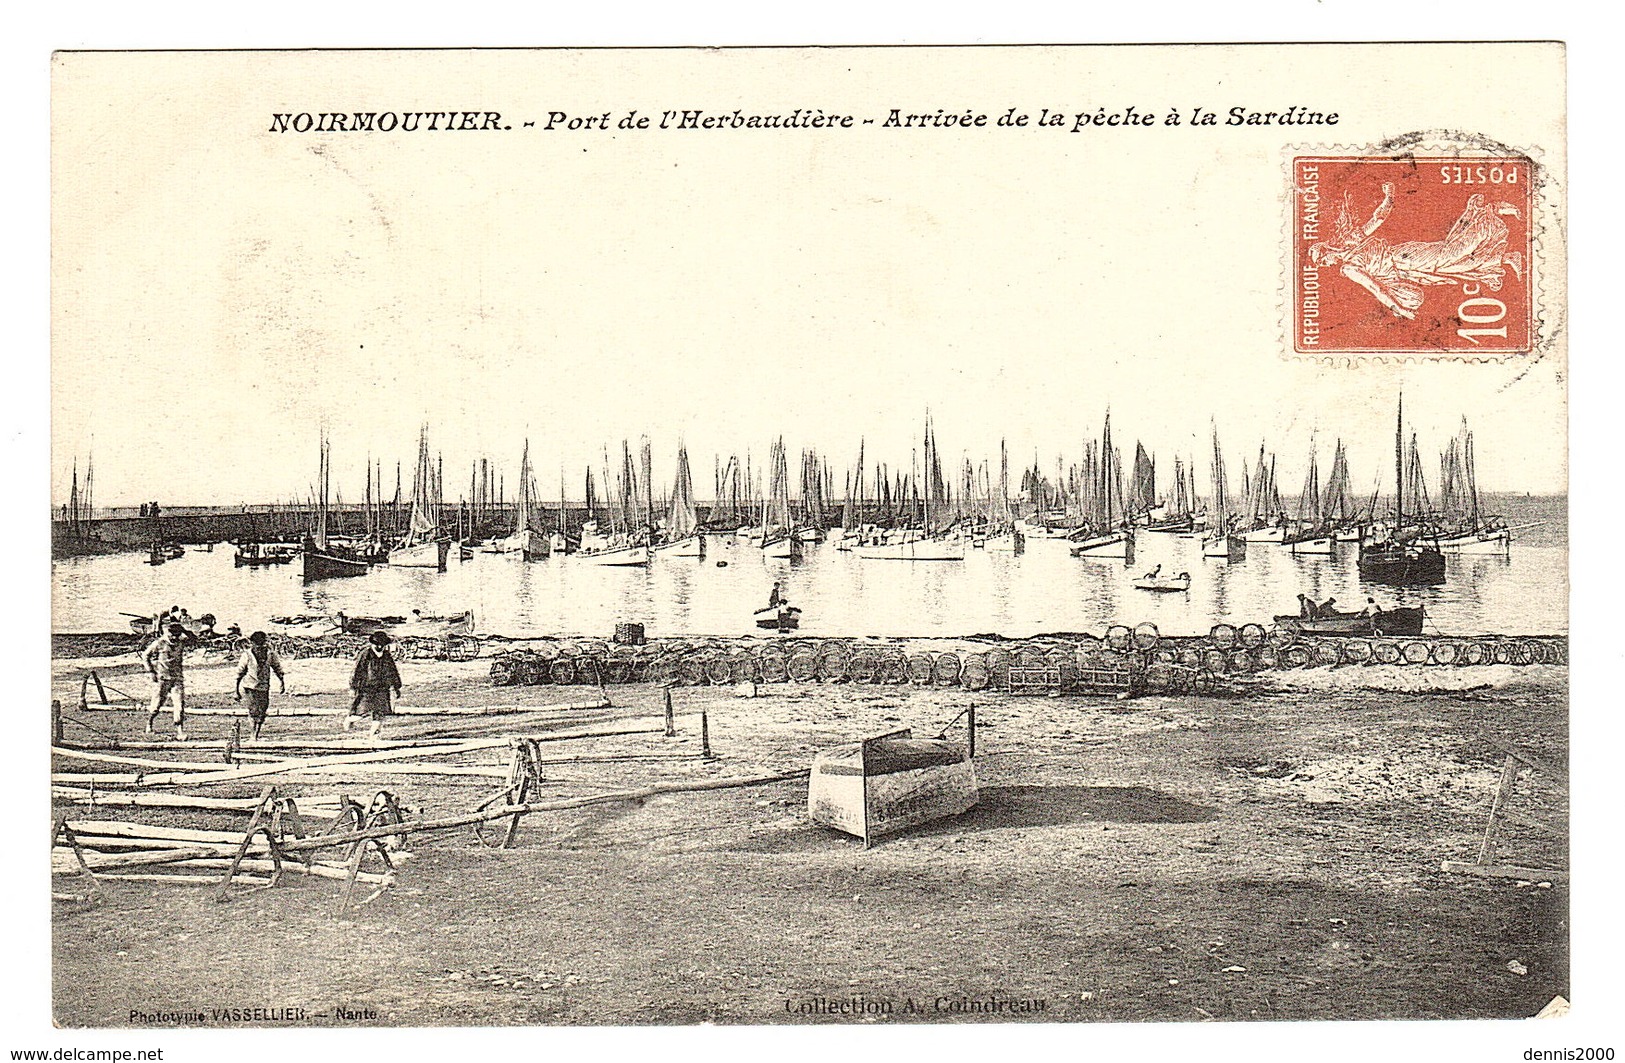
223,294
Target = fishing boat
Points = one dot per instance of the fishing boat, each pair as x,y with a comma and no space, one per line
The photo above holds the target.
418,624
323,557
618,548
526,541
890,783
158,623
938,539
1404,556
161,552
781,617
1110,545
779,536
1491,539
1222,544
1107,533
258,555
611,556
682,535
1465,528
1154,581
1178,515
1313,534
423,546
1388,622
1266,518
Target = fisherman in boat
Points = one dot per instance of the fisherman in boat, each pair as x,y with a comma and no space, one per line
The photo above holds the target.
254,673
1154,573
1329,610
374,677
775,598
165,662
1306,607
1372,609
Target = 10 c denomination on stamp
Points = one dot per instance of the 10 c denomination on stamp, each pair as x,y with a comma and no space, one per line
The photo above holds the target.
1412,255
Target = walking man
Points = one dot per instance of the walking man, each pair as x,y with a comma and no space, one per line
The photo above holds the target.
164,659
374,677
254,673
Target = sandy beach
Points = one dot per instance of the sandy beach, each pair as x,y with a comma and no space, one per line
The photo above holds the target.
1270,852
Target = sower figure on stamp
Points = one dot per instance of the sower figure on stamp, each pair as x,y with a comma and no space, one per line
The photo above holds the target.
164,660
374,678
254,673
1474,250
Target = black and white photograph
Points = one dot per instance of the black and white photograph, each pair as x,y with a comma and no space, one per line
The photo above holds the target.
807,536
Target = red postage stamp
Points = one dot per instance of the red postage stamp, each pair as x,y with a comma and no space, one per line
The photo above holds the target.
1412,255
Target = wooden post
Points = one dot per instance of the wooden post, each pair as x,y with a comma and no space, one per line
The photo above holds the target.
56,722
705,735
101,691
671,717
863,774
1503,790
972,727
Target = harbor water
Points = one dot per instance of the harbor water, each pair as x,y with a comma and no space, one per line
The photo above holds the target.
1044,589
1040,590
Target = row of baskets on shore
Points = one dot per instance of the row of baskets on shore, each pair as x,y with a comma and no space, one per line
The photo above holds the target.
1163,663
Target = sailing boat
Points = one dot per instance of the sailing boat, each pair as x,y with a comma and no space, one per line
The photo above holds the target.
422,546
780,540
618,549
936,541
1312,536
1264,503
1401,558
1179,515
1469,530
1113,539
682,522
1337,505
526,540
1222,544
1002,534
325,560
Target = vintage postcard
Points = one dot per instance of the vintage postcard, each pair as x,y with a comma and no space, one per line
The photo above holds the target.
844,535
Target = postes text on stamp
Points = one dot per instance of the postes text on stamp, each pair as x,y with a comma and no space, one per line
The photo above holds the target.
1412,255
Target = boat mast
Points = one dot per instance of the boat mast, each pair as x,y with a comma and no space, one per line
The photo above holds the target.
1399,467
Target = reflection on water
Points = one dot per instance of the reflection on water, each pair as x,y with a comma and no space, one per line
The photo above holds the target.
1044,589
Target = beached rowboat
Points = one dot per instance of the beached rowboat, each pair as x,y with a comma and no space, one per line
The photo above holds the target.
887,784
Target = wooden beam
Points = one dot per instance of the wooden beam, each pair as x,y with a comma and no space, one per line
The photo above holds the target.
503,811
1530,874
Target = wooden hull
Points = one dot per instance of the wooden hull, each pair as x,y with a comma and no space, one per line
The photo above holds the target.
530,545
616,557
916,550
778,623
1320,546
787,548
1388,622
1265,535
422,555
1116,545
1175,586
239,561
319,565
1401,565
693,546
871,789
1008,543
401,627
1226,548
1495,543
